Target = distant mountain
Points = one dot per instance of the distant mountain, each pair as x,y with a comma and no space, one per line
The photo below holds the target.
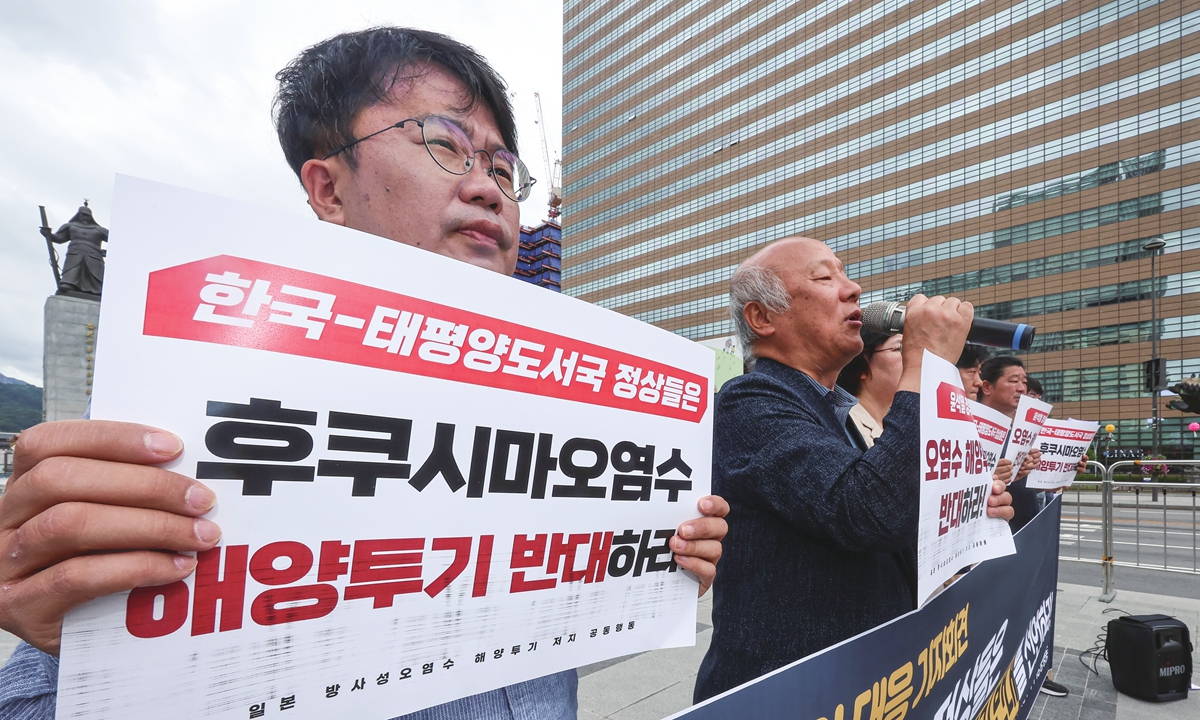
20,404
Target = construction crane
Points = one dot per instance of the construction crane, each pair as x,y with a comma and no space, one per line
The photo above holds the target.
554,204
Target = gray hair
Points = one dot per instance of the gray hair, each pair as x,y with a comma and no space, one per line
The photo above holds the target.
754,284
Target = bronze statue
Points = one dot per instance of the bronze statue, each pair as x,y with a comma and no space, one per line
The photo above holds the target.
83,270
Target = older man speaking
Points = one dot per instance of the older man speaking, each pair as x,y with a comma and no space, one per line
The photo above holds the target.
822,531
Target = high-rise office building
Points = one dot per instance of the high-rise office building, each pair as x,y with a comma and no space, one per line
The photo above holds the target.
1019,155
539,258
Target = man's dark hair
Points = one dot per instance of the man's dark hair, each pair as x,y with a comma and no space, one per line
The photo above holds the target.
994,368
851,377
324,89
972,355
1034,386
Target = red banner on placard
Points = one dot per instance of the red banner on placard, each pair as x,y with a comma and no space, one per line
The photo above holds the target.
1058,432
991,431
1035,416
952,403
233,301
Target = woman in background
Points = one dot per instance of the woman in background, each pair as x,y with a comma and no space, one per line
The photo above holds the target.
872,377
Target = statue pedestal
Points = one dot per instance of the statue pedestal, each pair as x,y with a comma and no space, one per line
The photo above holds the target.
68,354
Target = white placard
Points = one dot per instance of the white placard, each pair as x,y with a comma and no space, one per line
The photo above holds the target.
1031,414
993,427
955,530
432,480
1062,443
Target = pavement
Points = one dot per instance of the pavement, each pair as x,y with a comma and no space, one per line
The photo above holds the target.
653,685
1149,533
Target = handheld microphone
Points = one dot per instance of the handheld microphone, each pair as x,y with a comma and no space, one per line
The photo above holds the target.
888,317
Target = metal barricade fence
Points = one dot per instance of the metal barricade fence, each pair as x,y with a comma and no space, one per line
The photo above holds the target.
1133,531
1083,518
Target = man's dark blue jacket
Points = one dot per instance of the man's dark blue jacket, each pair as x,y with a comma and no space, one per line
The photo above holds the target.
822,534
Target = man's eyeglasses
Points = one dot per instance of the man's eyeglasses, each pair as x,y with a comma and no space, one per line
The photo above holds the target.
452,150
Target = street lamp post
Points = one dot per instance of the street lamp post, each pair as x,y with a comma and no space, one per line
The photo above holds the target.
1154,246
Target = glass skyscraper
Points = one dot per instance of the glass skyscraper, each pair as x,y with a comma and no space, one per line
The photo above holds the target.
1016,154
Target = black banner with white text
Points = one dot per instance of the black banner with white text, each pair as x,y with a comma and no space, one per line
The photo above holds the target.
978,651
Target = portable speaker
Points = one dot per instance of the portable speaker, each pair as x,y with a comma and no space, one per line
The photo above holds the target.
1150,657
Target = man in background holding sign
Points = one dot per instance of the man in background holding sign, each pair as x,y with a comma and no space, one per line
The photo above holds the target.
1005,389
88,514
822,530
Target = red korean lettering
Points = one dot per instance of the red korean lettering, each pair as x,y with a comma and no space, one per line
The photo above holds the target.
210,588
529,552
139,610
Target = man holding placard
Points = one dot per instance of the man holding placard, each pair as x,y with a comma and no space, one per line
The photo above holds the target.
384,129
823,531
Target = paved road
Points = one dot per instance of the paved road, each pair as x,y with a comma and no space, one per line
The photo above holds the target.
1150,534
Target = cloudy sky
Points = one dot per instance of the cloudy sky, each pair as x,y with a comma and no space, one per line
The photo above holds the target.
179,91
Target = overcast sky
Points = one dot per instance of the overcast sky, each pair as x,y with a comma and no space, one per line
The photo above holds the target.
180,92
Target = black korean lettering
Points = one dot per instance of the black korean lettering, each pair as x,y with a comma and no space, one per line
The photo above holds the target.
543,464
480,657
479,458
365,474
257,711
287,702
516,650
647,557
233,440
675,462
619,626
448,664
497,654
395,445
593,632
571,638
257,478
506,440
406,673
359,684
674,486
382,679
623,556
222,439
581,474
606,629
558,640
627,458
630,625
532,647
427,669
331,691
631,487
440,462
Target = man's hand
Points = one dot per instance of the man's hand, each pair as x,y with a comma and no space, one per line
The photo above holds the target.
86,514
937,324
1003,471
697,543
1000,502
1081,468
1029,463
